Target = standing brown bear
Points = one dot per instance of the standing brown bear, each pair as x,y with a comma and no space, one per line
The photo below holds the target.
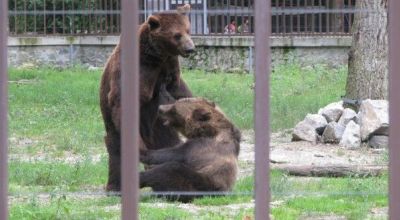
163,37
207,161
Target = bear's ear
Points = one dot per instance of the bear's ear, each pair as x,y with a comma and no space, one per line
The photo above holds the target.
201,114
211,103
153,22
184,10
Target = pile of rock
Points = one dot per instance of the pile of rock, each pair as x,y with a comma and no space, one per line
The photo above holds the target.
335,124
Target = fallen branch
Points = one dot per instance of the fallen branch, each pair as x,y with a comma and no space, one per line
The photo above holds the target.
331,170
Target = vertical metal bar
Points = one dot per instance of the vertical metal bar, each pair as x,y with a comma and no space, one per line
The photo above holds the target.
95,17
106,27
89,16
119,17
284,16
3,111
130,110
229,13
251,7
101,15
320,16
112,17
54,16
235,14
242,8
291,17
328,19
210,25
146,9
347,17
82,18
342,6
34,18
298,17
63,16
312,17
221,15
25,18
305,18
394,109
15,18
73,19
262,11
44,17
275,16
351,15
205,16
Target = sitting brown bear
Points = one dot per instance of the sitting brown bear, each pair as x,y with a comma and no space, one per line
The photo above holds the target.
207,161
163,37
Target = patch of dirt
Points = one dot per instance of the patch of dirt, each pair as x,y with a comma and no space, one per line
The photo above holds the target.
379,213
24,81
283,151
67,157
324,217
22,142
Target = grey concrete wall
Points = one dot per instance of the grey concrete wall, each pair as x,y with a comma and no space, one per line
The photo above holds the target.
216,53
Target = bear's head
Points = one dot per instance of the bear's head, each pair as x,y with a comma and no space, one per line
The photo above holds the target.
196,117
170,31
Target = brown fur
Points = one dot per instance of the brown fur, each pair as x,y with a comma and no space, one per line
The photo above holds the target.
207,161
163,37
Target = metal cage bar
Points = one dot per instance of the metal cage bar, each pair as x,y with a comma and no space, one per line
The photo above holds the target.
130,110
3,111
261,120
394,109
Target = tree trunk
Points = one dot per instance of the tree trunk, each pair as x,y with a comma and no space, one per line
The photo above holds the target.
368,56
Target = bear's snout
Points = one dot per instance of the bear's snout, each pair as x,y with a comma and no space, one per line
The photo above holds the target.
189,50
163,109
187,47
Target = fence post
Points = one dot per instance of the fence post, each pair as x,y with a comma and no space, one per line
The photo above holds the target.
394,109
130,109
3,111
205,16
167,4
261,120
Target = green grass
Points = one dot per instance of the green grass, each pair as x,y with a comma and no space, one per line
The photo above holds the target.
54,114
59,109
48,177
295,91
351,197
62,207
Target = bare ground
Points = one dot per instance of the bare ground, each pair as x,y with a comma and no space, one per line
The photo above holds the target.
284,151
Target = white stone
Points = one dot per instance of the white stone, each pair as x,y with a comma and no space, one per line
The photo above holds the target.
374,118
318,122
347,116
333,133
351,137
332,112
304,131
